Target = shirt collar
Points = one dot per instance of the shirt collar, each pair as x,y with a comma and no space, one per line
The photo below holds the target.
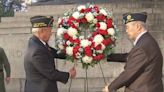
136,40
43,42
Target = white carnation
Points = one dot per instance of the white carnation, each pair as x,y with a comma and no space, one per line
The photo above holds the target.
72,31
99,51
111,31
80,7
87,59
76,15
98,39
81,37
95,21
74,37
85,43
89,16
103,25
102,11
81,15
69,51
60,31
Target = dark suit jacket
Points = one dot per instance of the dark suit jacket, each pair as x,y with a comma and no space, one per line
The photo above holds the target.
41,74
143,69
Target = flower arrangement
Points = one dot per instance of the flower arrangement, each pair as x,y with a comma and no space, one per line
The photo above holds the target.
87,34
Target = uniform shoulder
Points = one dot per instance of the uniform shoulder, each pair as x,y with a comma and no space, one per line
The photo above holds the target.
150,40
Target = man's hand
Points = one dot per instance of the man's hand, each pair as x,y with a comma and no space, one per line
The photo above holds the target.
105,89
72,72
7,79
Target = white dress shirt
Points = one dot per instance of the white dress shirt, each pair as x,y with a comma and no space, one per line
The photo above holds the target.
43,42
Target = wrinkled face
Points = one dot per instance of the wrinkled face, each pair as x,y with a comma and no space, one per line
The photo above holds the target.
46,33
131,30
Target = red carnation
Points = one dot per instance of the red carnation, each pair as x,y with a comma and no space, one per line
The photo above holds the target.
70,23
73,26
79,20
106,42
96,8
98,25
98,57
82,10
100,17
103,32
61,22
94,33
75,50
98,47
74,40
77,41
71,39
109,23
90,39
93,44
83,20
66,36
88,51
88,10
72,19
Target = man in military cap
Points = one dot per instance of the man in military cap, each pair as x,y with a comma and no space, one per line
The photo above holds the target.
41,74
4,66
143,68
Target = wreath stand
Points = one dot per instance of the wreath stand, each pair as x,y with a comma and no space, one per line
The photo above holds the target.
86,71
86,79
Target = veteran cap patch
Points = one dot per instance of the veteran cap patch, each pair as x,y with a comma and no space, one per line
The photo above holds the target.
129,17
41,21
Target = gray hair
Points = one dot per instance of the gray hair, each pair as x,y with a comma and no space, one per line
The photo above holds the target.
143,24
35,30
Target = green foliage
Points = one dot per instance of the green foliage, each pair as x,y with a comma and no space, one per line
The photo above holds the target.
70,58
8,13
1,10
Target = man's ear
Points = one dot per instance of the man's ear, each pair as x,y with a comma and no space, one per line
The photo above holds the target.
138,26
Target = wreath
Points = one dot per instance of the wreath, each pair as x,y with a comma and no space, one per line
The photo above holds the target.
86,34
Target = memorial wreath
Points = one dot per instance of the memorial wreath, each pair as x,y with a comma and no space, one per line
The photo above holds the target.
87,34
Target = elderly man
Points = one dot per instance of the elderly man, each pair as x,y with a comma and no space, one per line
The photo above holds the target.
41,74
143,68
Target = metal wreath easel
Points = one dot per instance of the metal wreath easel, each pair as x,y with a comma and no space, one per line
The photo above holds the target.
86,79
